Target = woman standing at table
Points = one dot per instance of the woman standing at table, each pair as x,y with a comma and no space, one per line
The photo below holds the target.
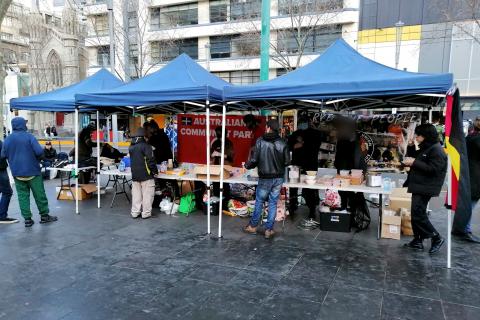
425,180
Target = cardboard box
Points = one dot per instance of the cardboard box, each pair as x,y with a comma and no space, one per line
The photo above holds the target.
400,199
406,231
84,192
391,225
201,172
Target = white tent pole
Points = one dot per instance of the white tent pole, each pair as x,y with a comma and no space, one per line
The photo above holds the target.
98,159
222,163
449,215
207,134
76,161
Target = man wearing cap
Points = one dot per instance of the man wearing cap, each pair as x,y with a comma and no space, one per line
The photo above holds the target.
270,156
23,153
49,156
144,169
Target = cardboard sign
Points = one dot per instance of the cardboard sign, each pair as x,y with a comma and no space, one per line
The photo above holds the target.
192,138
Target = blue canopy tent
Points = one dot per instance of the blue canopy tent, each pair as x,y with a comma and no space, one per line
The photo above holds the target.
342,79
63,100
347,80
180,86
181,81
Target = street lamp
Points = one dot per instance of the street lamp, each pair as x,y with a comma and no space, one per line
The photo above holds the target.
111,35
398,41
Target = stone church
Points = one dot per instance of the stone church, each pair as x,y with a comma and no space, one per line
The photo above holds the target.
57,59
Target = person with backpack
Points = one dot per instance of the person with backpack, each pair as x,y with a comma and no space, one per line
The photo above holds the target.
270,155
23,153
6,191
143,169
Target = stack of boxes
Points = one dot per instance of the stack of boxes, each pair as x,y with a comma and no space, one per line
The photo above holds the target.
397,219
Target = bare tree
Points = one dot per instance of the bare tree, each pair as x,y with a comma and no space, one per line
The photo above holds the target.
132,35
469,10
302,27
4,4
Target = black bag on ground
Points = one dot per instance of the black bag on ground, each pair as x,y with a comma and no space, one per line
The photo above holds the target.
360,212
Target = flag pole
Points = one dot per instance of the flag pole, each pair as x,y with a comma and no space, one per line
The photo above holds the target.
449,215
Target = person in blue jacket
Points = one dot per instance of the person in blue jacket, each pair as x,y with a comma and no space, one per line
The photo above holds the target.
23,153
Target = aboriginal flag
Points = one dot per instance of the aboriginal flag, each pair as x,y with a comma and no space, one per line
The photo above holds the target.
457,151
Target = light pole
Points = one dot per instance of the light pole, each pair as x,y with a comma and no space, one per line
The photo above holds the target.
207,55
398,41
265,41
111,35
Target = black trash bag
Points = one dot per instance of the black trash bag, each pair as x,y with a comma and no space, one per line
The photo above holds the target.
360,212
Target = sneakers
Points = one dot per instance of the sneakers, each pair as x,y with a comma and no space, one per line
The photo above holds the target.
249,229
46,218
415,244
437,243
269,234
29,223
8,220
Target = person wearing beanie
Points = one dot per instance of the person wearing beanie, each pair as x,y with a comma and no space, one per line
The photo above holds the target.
270,156
143,169
23,153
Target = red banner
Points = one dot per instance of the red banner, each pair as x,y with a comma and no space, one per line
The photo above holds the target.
192,140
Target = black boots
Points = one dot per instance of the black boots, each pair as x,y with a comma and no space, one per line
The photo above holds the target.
46,218
437,243
416,244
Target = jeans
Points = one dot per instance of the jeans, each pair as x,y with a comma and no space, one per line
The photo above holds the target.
6,191
267,189
468,229
421,225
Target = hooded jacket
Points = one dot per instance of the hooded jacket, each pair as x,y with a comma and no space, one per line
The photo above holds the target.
270,155
22,150
142,161
473,149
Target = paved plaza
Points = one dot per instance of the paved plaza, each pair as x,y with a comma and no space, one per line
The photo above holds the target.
102,264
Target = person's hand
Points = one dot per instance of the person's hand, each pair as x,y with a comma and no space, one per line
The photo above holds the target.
408,161
216,154
298,145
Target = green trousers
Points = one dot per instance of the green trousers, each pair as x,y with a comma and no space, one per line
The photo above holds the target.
38,190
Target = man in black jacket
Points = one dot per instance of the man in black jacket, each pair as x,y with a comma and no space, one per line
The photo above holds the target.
473,149
158,139
270,156
144,169
305,146
425,180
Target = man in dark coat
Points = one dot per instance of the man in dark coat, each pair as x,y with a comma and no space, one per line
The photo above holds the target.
425,180
270,156
304,144
143,169
158,139
473,149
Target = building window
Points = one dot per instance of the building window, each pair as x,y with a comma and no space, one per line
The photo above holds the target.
132,21
100,24
244,45
245,9
56,75
240,77
305,7
103,56
219,10
162,51
133,53
316,42
173,16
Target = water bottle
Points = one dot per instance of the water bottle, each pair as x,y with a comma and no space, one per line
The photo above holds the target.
121,166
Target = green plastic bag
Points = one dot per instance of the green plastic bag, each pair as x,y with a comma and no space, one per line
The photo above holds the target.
187,203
